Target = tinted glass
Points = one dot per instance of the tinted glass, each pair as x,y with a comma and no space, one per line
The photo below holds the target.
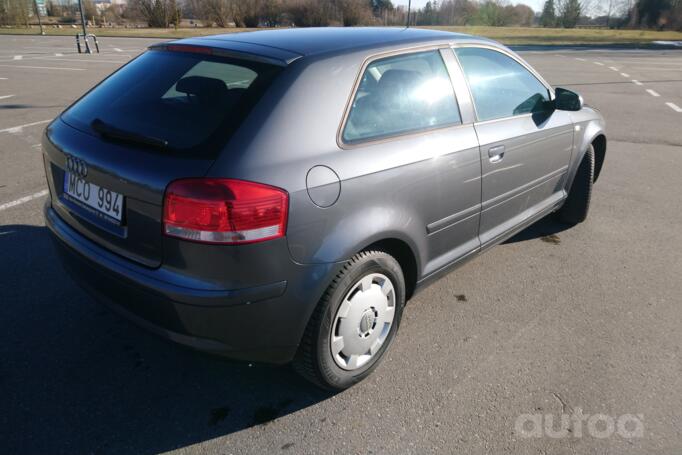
190,101
402,94
500,86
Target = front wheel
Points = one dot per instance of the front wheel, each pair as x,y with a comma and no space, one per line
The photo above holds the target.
354,322
577,203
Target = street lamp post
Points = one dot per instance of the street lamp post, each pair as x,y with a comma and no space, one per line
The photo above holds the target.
40,22
409,7
85,31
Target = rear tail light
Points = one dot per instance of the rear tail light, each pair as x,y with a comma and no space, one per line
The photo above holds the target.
224,211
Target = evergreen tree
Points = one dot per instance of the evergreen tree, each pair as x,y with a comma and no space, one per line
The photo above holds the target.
650,11
548,17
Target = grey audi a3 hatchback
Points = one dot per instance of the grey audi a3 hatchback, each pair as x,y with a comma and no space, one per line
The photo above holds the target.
277,196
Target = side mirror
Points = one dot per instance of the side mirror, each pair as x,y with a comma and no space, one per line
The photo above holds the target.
567,100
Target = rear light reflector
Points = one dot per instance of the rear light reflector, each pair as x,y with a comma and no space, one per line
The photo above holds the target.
225,211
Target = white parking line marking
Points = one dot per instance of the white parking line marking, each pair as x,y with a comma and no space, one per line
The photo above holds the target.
625,74
17,57
580,59
58,54
24,199
118,50
3,78
45,67
652,93
598,63
4,97
636,82
658,69
613,68
674,107
17,129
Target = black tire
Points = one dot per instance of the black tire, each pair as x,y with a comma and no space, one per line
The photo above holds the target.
314,360
577,204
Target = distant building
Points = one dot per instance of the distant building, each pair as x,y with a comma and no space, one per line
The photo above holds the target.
101,5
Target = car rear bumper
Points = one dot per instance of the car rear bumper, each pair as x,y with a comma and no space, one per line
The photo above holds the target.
262,323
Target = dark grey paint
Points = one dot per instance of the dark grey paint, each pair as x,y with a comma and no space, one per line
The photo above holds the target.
443,193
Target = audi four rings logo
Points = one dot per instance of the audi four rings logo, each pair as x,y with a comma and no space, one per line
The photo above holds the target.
76,166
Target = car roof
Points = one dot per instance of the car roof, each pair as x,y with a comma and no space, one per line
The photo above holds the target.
292,43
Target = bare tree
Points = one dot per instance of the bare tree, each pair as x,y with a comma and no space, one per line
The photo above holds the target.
457,12
156,13
521,15
271,12
311,13
215,11
570,12
355,12
14,12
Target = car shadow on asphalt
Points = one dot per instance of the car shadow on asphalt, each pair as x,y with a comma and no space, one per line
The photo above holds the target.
77,378
547,229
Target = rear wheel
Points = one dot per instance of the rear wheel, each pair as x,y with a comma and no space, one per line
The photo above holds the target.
354,322
577,204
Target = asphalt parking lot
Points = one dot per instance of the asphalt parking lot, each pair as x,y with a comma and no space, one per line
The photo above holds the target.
552,322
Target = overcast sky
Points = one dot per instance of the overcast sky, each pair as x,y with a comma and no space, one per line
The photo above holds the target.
535,4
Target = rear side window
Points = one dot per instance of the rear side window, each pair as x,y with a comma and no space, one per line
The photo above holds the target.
401,94
184,102
501,87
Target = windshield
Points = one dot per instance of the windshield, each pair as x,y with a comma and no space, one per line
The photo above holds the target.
189,102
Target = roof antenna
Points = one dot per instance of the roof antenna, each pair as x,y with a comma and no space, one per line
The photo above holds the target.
409,7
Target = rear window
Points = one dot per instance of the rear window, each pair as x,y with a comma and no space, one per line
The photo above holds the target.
181,102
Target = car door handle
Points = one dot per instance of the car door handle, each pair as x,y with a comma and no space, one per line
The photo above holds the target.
496,153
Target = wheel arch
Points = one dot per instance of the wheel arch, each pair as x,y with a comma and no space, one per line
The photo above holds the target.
404,254
599,144
594,135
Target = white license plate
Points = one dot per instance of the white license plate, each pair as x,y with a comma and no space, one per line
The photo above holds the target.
103,201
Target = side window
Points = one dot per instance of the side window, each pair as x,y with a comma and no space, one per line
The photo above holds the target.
501,87
402,94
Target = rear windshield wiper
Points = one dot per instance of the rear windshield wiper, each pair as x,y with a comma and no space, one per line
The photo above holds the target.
115,133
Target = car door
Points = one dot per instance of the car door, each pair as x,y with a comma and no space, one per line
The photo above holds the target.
525,144
409,139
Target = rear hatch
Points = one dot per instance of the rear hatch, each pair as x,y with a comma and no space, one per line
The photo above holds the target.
164,116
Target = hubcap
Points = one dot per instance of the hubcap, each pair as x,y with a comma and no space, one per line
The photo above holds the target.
363,321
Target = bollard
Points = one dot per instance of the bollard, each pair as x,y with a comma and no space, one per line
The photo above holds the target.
87,45
94,37
88,50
